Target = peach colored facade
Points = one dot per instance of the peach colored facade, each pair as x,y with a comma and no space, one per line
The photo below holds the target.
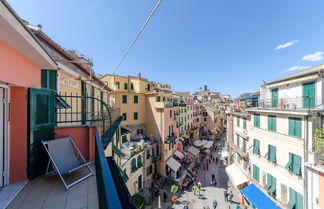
321,190
12,64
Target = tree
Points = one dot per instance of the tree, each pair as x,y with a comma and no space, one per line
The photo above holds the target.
318,144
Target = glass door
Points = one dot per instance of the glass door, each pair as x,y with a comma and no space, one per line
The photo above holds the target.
3,136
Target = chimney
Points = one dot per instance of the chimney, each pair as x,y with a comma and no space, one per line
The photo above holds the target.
40,27
139,75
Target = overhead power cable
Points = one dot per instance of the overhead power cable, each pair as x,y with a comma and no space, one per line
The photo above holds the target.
135,39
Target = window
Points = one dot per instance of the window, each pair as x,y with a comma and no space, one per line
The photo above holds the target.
238,122
135,99
272,124
257,120
271,186
158,99
309,95
274,98
132,86
272,153
163,99
238,140
295,126
125,86
256,146
124,116
149,170
135,115
244,145
139,162
256,173
149,87
124,99
205,119
49,79
148,154
294,164
124,138
244,123
283,193
125,176
118,84
133,165
295,200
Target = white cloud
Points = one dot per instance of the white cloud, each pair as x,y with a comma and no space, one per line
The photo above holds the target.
313,57
285,45
296,68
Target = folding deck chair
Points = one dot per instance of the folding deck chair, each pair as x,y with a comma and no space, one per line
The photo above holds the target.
63,155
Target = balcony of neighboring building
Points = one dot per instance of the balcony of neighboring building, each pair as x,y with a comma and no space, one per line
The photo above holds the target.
136,146
298,104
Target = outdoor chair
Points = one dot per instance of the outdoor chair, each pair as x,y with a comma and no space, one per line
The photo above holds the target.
65,158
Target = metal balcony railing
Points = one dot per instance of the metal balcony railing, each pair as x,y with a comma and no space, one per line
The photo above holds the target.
296,103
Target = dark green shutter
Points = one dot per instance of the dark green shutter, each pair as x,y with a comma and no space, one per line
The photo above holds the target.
49,79
296,164
309,95
274,98
41,117
257,120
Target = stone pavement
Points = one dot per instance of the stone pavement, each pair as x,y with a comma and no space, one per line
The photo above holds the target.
209,192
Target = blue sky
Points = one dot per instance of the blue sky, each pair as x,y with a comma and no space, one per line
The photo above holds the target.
229,45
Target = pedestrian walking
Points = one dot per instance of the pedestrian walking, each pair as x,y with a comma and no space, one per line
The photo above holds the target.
237,206
213,159
215,182
207,165
213,177
215,204
199,184
226,195
165,196
216,160
230,196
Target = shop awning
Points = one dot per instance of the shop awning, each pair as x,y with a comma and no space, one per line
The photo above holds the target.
208,144
173,164
236,175
197,143
194,151
186,136
178,154
257,198
181,138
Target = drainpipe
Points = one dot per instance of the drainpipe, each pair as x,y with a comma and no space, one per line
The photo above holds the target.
306,160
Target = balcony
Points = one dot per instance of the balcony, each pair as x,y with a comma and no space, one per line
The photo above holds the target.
163,104
170,139
135,146
297,103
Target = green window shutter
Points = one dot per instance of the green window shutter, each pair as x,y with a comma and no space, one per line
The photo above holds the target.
257,120
135,99
298,127
292,199
124,99
272,153
296,164
238,122
125,176
118,84
102,99
139,162
309,95
125,86
238,140
256,173
244,123
135,115
268,185
274,98
295,126
124,116
49,79
244,145
132,86
124,138
272,126
256,146
273,187
289,164
299,201
133,165
148,154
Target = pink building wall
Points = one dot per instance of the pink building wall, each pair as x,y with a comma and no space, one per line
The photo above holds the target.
17,69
